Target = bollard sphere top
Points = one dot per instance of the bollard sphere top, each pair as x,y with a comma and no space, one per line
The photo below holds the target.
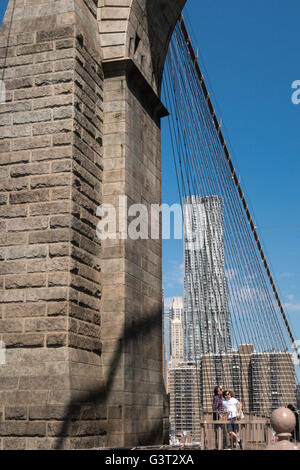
283,420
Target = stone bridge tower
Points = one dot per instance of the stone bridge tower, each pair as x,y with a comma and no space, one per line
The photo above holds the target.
80,318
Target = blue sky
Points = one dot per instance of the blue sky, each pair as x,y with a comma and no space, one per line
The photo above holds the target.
3,5
250,53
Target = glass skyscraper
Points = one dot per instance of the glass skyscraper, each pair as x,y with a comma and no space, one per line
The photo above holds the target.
207,323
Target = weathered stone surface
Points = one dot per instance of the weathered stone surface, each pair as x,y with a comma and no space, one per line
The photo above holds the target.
8,383
11,267
16,413
31,169
58,33
41,443
11,326
58,279
57,340
57,308
23,341
11,212
52,154
19,83
47,265
46,382
50,412
59,249
14,443
50,181
50,208
31,143
25,197
56,293
13,185
22,429
24,310
11,296
27,224
25,281
33,116
49,236
21,252
60,193
49,324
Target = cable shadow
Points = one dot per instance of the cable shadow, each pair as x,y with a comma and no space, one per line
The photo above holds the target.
8,37
141,328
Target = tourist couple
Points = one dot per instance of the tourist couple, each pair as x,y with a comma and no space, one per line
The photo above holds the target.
227,408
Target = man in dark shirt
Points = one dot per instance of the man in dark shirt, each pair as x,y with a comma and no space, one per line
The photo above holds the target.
218,412
218,408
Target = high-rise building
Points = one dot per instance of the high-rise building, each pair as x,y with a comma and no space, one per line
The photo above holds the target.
232,370
176,308
207,323
184,388
176,314
262,382
166,342
176,342
273,381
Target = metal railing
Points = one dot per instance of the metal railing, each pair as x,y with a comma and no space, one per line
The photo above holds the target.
255,432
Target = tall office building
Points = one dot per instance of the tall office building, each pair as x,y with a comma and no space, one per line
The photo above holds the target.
166,341
185,391
231,370
176,308
262,382
207,324
273,381
176,343
175,313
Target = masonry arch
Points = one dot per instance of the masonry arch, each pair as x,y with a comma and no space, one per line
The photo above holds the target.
140,31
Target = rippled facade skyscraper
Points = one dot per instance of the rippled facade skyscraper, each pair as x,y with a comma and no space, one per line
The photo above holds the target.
207,322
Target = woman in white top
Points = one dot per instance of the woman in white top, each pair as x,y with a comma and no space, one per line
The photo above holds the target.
233,410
